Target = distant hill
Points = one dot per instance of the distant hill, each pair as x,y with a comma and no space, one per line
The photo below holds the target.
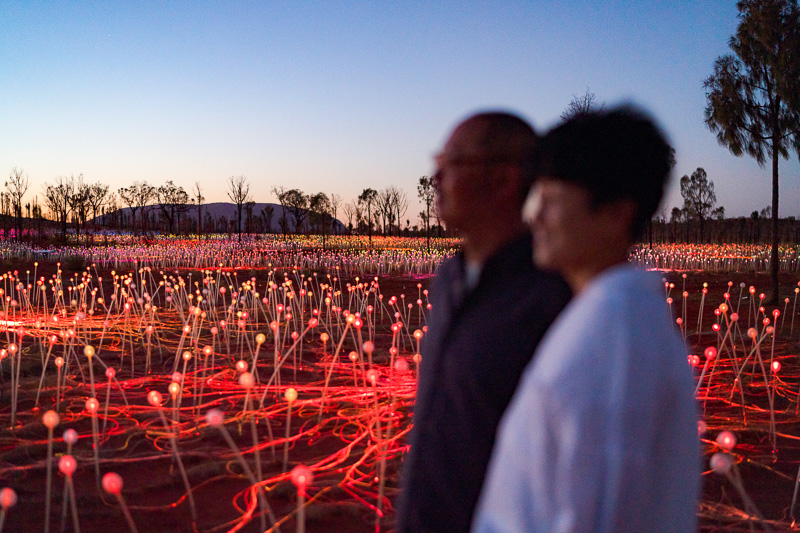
227,210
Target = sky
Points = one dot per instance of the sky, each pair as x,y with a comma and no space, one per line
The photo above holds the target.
339,96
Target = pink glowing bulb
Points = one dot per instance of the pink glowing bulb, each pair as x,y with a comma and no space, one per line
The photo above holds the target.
715,327
349,318
711,353
353,356
110,373
368,347
702,427
685,294
295,335
696,360
207,350
776,367
12,348
770,330
112,483
726,440
324,337
92,405
752,333
290,395
174,389
8,498
776,313
247,380
679,321
154,398
418,334
214,330
723,307
401,365
301,477
734,317
260,338
372,376
67,465
215,418
241,365
176,377
762,296
222,324
273,325
187,355
313,322
417,358
50,419
59,361
357,323
721,463
752,290
669,301
717,312
70,436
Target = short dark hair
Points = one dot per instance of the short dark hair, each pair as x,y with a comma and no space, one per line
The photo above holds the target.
508,137
616,154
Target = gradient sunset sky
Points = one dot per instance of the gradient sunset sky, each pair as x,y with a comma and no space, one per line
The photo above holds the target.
339,96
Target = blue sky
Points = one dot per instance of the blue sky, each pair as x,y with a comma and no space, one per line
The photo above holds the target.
339,96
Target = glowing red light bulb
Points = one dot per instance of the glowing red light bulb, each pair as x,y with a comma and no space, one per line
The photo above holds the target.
92,405
726,440
67,465
8,498
301,477
711,353
154,398
112,483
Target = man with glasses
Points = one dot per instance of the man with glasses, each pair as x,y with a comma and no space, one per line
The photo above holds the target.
490,308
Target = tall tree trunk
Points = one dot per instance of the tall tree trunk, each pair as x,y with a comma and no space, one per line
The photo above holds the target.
774,255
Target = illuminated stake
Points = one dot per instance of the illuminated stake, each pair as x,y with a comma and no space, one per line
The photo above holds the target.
8,499
301,477
112,484
50,420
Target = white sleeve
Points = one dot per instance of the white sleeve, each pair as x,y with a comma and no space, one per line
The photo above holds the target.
545,473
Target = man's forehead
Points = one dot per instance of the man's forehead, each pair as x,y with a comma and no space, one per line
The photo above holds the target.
467,138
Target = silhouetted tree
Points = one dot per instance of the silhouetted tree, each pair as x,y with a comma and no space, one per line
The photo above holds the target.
368,197
753,96
57,200
426,193
698,196
581,105
239,193
17,186
173,200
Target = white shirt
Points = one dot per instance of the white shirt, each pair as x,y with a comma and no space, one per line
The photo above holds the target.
601,435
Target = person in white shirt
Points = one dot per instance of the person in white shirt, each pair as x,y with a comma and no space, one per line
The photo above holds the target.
601,433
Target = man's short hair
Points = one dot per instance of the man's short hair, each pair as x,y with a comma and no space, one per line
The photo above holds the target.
507,137
619,154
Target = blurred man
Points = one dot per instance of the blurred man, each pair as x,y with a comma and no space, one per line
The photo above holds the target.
490,308
602,433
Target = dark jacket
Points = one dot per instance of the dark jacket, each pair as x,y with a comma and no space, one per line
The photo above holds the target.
476,348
